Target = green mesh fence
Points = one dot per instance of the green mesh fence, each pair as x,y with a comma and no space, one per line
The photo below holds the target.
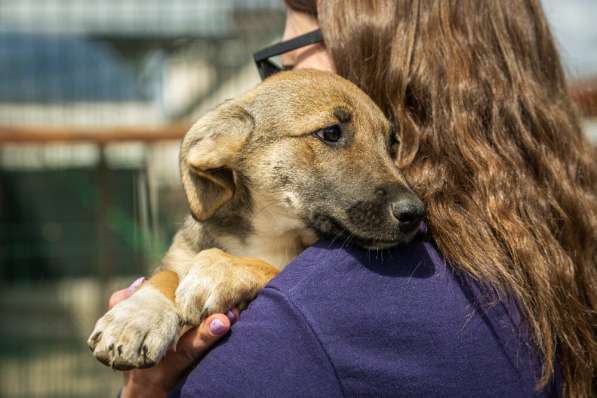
79,220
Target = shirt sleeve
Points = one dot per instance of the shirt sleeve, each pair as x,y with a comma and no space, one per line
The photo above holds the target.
271,352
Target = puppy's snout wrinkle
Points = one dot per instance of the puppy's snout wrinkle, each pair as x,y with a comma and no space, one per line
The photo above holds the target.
409,212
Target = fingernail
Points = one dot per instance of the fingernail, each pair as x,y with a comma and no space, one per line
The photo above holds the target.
135,285
231,315
217,327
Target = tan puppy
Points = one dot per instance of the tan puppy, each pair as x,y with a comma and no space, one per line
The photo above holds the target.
305,154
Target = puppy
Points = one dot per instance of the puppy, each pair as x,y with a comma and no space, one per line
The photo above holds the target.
306,154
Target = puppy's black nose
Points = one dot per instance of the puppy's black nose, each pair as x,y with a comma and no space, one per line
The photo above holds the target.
409,213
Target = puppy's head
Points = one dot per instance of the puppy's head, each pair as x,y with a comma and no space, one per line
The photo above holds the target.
313,151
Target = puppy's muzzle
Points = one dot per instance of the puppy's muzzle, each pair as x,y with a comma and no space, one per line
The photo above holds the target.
406,209
409,212
393,216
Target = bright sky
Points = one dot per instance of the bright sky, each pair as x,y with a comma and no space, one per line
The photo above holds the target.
574,23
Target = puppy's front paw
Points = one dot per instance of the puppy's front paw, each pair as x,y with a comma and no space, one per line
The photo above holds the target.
218,281
137,332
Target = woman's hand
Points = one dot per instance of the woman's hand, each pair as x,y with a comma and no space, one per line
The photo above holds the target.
160,379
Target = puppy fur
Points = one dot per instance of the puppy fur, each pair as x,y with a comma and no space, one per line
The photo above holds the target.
263,180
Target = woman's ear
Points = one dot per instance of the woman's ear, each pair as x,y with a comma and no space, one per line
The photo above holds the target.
208,157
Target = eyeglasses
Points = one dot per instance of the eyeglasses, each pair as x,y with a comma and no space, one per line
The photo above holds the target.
267,67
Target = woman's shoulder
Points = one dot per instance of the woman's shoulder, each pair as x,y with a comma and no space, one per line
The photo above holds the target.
337,270
409,321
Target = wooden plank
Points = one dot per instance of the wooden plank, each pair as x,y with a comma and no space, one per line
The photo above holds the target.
39,135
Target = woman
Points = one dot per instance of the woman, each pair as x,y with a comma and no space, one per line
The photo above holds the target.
491,143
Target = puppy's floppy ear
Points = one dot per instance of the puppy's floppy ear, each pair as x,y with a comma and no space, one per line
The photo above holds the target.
209,155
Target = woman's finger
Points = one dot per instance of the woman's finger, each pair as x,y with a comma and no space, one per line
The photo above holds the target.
123,294
194,344
197,341
117,297
233,314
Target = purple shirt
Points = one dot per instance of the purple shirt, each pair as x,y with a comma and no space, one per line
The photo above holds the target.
343,322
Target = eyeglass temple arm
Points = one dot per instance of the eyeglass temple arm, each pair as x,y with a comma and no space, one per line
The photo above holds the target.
288,45
266,68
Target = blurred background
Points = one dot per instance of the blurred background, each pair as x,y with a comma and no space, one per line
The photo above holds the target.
94,98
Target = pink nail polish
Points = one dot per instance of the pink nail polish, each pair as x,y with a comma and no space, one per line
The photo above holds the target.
135,285
217,327
231,315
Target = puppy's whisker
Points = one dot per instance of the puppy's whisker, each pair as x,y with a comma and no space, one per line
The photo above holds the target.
336,236
347,240
266,208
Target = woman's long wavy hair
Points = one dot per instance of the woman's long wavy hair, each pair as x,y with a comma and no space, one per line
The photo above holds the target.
491,142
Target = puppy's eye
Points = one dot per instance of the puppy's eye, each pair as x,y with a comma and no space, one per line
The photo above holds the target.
329,135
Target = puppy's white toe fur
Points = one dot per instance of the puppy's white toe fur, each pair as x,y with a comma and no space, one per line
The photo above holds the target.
197,296
137,332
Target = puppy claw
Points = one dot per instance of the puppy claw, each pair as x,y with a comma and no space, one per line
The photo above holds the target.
122,366
103,358
92,342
